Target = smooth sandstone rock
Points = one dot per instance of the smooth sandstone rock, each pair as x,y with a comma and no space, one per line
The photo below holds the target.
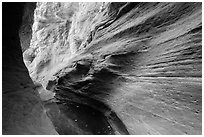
23,111
137,64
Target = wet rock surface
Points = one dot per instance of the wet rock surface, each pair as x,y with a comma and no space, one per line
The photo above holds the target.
77,119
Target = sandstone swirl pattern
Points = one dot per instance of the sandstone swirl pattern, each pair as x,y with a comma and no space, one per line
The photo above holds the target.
139,61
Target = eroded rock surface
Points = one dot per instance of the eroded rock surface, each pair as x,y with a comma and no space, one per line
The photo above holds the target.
138,64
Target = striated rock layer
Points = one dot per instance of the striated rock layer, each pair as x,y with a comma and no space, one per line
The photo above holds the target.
22,110
136,66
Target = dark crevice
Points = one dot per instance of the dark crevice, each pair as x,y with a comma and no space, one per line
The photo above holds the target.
90,115
75,118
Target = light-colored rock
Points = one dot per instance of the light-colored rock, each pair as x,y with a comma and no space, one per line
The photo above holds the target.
142,60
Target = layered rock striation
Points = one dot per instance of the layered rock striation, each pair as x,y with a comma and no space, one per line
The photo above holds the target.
135,67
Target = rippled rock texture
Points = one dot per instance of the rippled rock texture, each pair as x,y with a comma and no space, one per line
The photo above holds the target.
134,68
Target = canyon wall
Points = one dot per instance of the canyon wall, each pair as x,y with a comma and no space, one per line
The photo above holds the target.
22,109
138,66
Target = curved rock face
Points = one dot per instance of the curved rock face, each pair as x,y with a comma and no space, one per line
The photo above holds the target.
135,68
25,31
23,111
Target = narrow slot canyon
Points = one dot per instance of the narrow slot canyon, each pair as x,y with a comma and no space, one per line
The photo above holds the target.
101,68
